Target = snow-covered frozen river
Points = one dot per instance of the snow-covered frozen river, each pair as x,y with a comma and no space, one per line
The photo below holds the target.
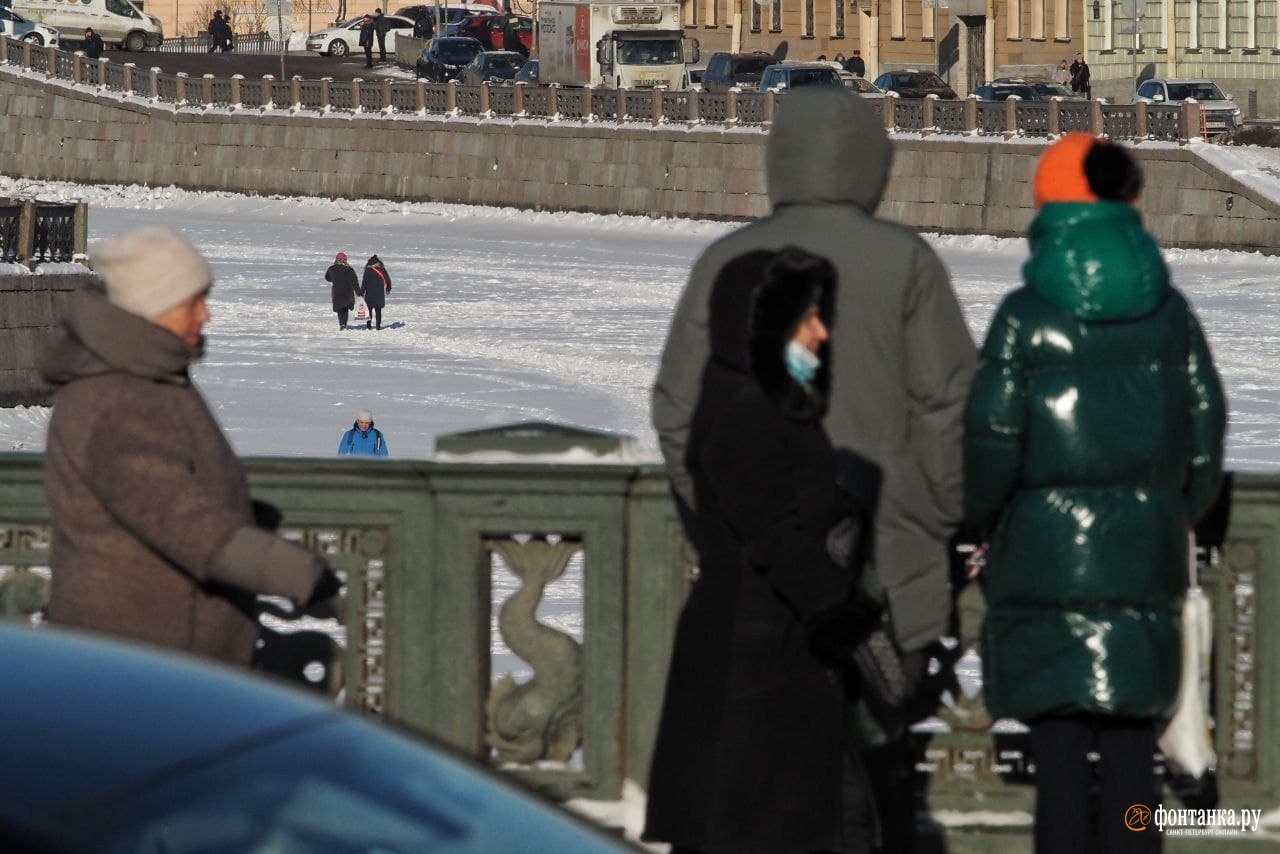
499,316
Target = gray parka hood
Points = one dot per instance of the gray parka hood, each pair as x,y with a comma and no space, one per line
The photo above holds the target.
97,337
827,146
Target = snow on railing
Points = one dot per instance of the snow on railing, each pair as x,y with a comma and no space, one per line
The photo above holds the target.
655,107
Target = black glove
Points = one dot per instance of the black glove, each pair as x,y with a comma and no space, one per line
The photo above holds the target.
834,633
327,587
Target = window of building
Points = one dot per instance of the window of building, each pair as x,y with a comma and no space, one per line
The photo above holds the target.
1013,24
755,17
837,18
806,23
1223,23
713,13
775,17
1251,24
1037,19
928,19
1109,26
897,19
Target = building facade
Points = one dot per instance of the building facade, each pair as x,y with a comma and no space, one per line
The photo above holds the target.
968,42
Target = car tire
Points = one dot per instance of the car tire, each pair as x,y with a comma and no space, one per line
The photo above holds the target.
135,42
338,47
35,38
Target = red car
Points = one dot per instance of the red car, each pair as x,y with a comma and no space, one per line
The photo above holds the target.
491,31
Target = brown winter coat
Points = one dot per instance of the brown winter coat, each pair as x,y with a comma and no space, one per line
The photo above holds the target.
153,533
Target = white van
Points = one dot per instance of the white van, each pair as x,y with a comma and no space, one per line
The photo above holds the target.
116,21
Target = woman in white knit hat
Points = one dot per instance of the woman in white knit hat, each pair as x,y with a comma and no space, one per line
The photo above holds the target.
363,439
153,530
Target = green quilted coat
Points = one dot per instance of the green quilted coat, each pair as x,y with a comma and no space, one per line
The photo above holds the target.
1093,442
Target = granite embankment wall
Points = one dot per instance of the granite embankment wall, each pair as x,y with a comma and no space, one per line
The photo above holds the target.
951,184
30,306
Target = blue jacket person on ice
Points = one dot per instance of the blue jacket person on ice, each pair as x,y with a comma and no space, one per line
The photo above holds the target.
363,439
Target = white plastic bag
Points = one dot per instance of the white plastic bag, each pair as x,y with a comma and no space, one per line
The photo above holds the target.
362,309
1187,743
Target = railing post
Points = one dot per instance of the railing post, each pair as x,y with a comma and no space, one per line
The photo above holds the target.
388,98
1141,125
181,97
235,90
695,107
80,229
295,93
622,104
51,61
451,98
517,101
657,103
1011,116
1190,121
154,83
103,64
326,100
129,68
355,95
971,114
589,103
890,110
26,54
770,104
731,106
1055,116
420,97
77,67
1097,124
485,89
268,92
553,101
206,89
928,124
26,230
4,50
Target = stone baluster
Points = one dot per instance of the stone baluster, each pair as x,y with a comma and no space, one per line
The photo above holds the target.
1141,124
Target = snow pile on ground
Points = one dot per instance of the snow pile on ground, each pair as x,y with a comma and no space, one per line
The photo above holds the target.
1254,166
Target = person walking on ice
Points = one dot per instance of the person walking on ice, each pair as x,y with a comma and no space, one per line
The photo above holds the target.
363,439
375,284
345,287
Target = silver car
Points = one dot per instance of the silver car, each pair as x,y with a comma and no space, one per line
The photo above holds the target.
15,26
1221,114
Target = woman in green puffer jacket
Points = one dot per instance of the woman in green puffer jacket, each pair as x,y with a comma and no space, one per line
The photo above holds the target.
1093,442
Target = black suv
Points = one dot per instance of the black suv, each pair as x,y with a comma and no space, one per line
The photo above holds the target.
913,83
726,70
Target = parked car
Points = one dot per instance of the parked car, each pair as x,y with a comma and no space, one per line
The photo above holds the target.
914,83
113,748
497,66
785,76
344,38
528,73
491,31
444,58
1028,89
1221,114
118,22
726,70
15,26
455,15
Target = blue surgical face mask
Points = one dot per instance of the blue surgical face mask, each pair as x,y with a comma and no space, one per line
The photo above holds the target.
801,363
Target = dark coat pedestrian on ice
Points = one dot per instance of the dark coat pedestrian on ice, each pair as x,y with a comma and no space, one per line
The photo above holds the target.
153,532
345,289
750,751
1093,443
375,284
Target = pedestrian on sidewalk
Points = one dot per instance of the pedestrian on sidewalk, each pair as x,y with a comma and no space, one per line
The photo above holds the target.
153,531
345,287
367,28
363,439
93,45
380,30
375,284
1093,443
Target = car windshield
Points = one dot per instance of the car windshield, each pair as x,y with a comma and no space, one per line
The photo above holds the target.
1003,93
814,77
1199,91
456,52
650,52
1052,90
120,7
918,80
751,69
505,63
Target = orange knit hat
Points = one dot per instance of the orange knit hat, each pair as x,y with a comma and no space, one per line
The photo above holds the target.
1060,177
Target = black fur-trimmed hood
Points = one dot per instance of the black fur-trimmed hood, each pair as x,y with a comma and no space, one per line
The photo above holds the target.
756,302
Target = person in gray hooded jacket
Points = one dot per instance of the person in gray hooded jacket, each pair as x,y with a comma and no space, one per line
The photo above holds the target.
153,529
902,356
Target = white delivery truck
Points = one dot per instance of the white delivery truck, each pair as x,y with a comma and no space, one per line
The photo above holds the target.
612,44
116,21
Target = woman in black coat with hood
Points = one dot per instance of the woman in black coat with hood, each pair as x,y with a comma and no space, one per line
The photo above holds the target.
375,284
750,752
